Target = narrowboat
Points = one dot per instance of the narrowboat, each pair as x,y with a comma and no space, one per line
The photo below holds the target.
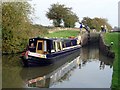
45,51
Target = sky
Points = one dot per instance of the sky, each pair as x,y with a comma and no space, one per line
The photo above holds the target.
83,8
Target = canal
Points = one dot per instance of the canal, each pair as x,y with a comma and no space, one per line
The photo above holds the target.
87,68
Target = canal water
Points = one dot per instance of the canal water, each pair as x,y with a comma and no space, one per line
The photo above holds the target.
86,68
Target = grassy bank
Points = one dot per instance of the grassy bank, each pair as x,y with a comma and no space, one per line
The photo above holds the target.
115,38
64,33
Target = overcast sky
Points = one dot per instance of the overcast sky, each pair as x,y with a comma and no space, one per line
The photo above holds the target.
91,8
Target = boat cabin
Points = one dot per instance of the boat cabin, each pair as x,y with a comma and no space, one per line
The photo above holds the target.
51,45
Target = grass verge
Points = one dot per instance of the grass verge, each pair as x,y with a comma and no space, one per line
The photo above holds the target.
64,34
115,38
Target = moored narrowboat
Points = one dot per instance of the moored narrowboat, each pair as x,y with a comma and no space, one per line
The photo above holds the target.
44,51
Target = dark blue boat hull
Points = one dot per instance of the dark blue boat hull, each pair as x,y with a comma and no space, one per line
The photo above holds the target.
51,58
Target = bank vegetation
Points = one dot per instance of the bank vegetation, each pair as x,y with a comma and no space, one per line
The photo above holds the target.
115,39
17,27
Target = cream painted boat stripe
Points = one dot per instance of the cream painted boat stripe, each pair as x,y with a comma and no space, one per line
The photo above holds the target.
36,54
71,47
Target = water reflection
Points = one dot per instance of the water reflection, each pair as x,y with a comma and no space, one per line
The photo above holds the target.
10,72
91,53
86,68
105,61
51,78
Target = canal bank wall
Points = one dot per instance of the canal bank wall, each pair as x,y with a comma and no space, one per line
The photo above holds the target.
89,39
105,49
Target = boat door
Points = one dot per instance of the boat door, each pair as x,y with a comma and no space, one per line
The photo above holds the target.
40,46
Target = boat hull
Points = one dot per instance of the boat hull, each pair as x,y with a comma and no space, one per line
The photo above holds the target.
51,58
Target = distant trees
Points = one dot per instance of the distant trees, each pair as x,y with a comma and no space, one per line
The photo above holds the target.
70,20
96,23
59,13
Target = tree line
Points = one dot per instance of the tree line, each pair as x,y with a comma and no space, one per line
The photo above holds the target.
96,23
59,13
17,27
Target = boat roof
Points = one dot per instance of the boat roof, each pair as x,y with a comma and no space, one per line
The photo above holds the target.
52,39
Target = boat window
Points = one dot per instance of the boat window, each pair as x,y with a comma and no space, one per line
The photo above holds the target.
39,45
53,45
45,46
58,44
32,45
64,45
31,48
